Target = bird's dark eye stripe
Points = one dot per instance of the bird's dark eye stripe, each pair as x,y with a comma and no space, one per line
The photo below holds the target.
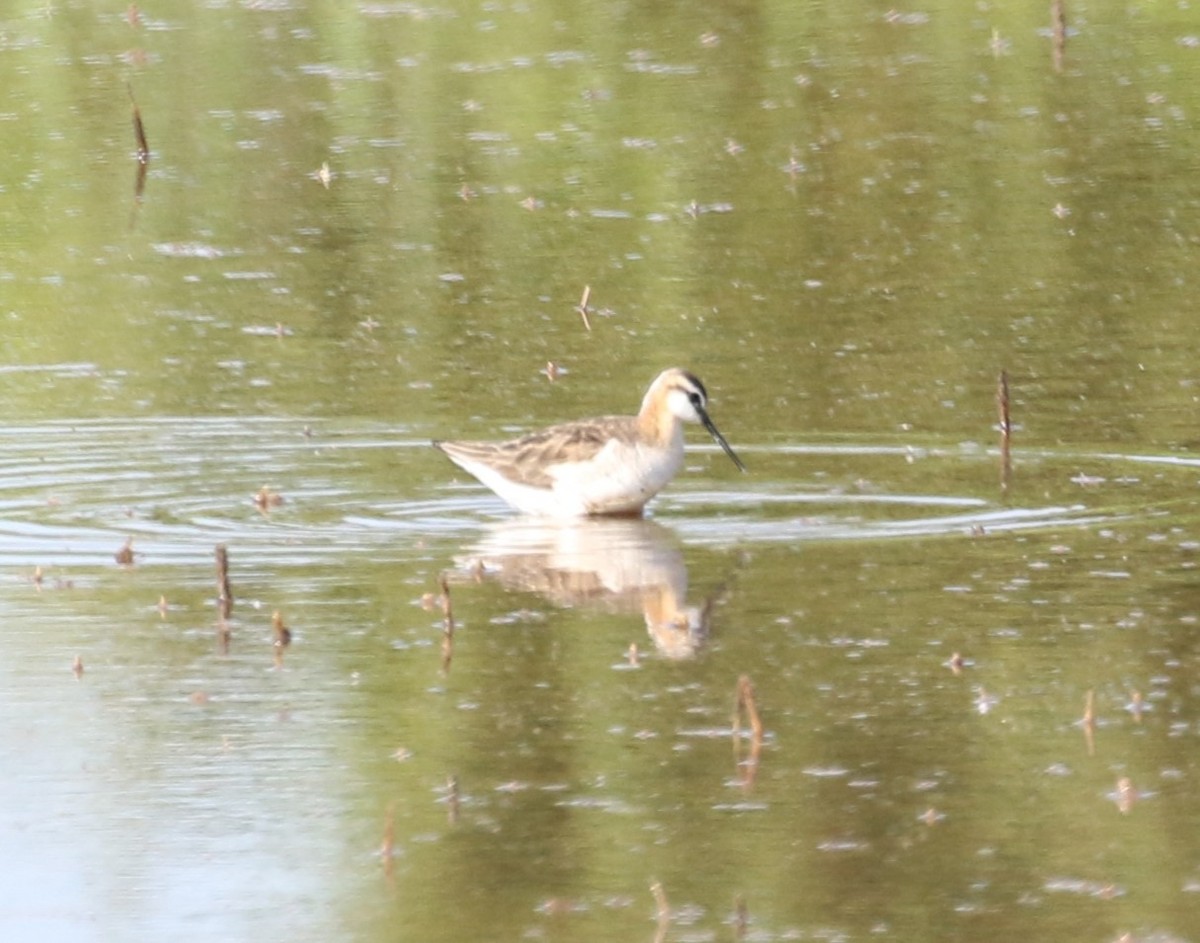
695,381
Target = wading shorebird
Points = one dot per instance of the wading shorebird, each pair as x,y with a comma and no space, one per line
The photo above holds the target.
608,465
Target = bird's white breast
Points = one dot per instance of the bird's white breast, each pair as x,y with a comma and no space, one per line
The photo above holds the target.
621,477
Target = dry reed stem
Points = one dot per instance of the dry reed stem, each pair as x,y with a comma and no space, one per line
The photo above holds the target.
1058,25
447,626
747,769
447,613
1127,795
388,845
663,909
1088,722
281,633
741,917
1002,404
139,130
582,306
745,699
1003,408
224,593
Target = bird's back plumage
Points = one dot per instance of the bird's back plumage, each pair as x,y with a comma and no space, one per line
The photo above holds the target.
606,465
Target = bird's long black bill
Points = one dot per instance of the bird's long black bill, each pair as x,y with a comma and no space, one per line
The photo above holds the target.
716,434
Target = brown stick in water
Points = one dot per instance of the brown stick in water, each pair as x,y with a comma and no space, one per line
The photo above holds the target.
224,593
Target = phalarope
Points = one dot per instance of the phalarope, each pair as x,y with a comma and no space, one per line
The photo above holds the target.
609,465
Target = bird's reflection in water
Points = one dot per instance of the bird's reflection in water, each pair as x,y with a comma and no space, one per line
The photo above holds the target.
621,565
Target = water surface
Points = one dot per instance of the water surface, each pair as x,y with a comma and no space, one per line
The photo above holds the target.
361,227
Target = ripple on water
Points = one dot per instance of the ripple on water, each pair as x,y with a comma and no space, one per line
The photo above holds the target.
73,491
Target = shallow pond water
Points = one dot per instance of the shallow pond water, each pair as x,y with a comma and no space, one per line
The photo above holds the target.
921,663
362,227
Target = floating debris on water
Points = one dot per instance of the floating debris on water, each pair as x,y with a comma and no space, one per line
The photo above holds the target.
265,499
984,702
125,556
281,637
1126,795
